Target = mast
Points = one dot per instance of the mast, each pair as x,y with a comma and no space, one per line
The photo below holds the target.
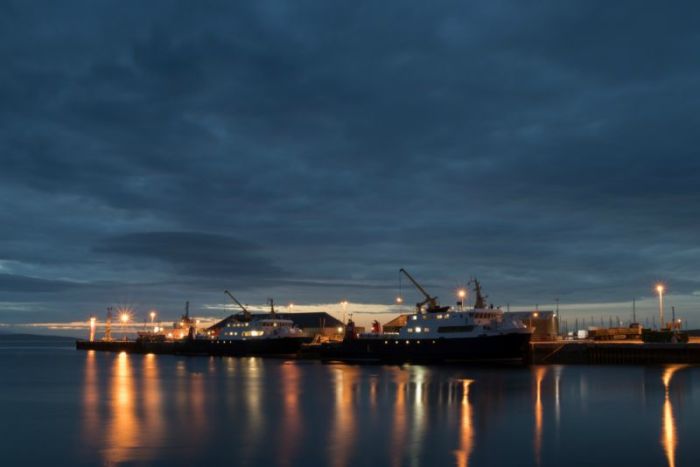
480,301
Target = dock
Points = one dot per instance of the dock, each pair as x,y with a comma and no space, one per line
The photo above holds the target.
541,353
613,353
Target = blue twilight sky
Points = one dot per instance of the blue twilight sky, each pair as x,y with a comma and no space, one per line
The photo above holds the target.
155,152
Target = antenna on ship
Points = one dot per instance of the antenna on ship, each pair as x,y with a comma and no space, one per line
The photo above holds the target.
272,307
480,301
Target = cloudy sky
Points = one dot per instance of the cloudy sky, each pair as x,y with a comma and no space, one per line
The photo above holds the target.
157,152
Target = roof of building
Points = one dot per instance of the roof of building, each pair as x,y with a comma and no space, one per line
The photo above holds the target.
315,319
398,322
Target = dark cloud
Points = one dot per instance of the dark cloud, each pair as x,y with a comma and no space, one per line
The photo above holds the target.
11,283
314,148
194,253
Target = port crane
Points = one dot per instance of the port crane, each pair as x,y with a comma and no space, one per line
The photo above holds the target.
246,313
431,302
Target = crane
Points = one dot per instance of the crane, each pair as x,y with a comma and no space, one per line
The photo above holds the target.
246,313
430,301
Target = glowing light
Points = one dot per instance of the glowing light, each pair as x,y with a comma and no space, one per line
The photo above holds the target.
340,329
462,293
152,315
660,289
535,315
124,317
399,300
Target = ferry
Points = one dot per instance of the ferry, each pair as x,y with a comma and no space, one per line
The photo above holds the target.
439,334
259,336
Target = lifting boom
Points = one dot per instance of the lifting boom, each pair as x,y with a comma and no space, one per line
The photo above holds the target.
430,301
246,313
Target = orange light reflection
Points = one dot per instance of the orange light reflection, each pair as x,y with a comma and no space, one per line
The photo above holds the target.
668,423
466,428
540,373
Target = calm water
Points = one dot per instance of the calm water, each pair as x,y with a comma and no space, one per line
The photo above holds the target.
65,407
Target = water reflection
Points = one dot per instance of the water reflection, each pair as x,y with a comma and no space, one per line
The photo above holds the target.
419,410
344,430
253,393
122,429
91,398
291,423
164,410
152,401
540,373
669,440
466,435
398,431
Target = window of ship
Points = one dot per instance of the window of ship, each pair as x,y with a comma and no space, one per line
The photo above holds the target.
455,328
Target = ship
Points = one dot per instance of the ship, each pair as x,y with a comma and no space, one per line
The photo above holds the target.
255,335
439,334
244,334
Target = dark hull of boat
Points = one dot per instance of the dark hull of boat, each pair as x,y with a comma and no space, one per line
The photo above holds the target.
257,347
506,348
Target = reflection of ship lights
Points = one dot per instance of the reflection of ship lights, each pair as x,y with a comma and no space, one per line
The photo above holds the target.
668,423
466,428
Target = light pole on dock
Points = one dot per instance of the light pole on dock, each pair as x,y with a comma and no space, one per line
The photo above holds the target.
124,319
660,291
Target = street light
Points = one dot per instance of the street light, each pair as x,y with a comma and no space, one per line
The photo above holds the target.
344,304
124,318
462,294
660,290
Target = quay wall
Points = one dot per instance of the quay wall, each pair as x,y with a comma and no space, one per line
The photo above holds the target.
636,353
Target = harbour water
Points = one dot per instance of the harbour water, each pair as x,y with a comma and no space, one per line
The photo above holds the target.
63,407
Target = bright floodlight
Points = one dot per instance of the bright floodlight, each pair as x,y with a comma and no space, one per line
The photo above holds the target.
399,300
462,293
660,288
153,315
124,317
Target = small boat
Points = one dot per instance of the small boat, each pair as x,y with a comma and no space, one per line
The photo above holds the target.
439,334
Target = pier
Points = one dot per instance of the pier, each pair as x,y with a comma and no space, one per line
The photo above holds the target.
541,353
612,353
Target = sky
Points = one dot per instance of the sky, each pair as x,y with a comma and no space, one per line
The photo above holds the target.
158,152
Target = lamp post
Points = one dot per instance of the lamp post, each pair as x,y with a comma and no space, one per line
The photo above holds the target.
660,291
124,318
344,304
93,322
533,315
462,294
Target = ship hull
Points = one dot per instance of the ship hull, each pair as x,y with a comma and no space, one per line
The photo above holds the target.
505,348
235,348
